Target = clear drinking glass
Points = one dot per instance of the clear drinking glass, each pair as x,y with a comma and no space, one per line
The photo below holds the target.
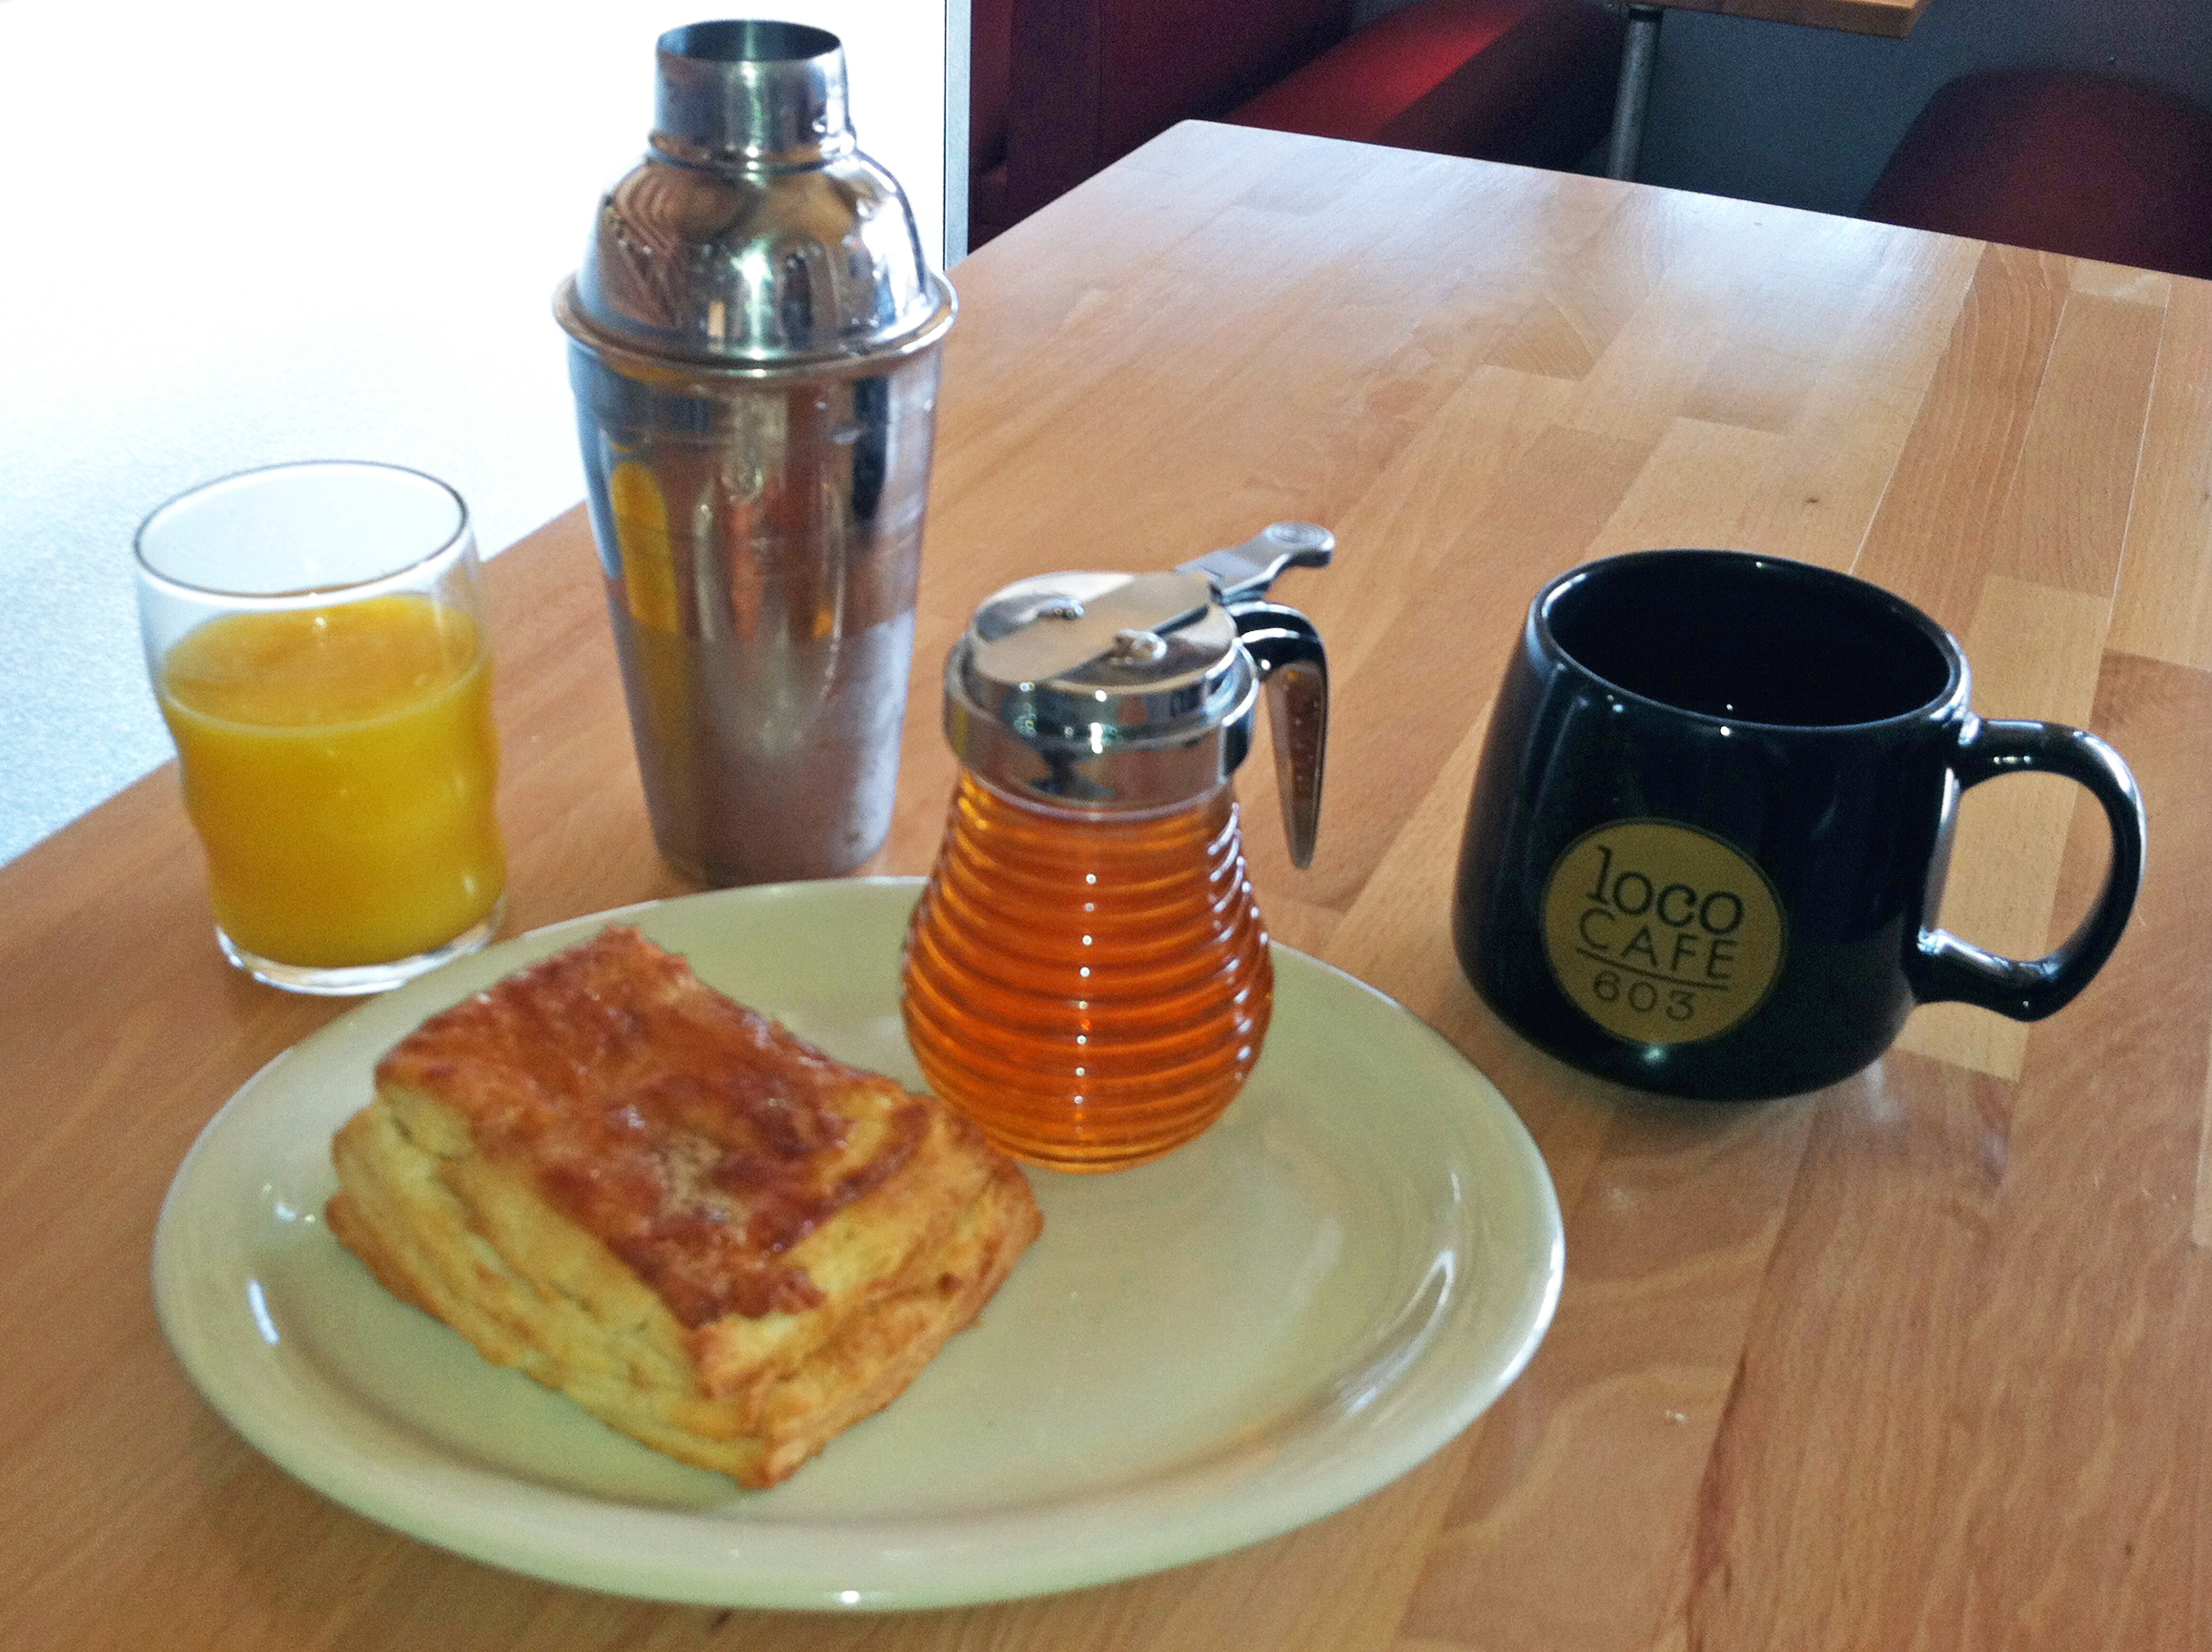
315,638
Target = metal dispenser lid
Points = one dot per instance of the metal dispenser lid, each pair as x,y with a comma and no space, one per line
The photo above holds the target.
755,238
1124,691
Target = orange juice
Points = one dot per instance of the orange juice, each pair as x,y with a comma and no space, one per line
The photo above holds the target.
339,764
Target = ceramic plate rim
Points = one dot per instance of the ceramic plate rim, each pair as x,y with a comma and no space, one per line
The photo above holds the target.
623,1548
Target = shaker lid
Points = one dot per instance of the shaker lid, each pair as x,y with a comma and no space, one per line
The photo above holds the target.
755,237
1126,691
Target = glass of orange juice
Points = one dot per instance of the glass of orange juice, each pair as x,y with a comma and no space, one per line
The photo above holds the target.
317,640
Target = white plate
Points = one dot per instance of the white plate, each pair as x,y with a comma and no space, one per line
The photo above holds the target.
1250,1334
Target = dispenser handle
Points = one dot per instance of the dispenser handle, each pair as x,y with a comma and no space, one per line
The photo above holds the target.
1287,648
1248,569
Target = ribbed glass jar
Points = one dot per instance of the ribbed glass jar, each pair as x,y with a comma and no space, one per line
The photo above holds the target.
1092,988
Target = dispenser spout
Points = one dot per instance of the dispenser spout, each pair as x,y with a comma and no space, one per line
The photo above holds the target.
1294,665
1287,649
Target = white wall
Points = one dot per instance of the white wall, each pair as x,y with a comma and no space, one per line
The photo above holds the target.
238,231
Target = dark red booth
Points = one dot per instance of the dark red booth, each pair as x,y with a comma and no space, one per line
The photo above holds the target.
1061,87
2062,161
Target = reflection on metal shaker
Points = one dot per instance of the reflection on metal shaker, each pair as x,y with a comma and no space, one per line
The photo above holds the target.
755,354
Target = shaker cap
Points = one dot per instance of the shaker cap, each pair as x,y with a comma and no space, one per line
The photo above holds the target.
754,238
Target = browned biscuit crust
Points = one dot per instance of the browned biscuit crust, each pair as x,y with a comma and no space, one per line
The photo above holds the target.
707,1233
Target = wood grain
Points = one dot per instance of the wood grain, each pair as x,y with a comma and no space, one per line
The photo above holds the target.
1917,1361
1893,18
2065,513
2163,607
1937,534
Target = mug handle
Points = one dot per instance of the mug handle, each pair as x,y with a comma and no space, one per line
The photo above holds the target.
1944,967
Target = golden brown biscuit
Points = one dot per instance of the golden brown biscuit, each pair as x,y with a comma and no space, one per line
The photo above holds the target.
709,1234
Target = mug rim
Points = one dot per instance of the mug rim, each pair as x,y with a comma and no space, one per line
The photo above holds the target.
1957,679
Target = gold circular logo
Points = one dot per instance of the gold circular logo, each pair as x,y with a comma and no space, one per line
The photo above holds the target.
1662,933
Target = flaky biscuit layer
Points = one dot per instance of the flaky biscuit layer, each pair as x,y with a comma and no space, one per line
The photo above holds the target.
879,1221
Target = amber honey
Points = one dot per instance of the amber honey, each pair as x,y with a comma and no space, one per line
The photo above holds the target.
1091,988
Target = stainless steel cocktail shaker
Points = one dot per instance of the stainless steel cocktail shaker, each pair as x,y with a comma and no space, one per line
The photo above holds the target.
755,349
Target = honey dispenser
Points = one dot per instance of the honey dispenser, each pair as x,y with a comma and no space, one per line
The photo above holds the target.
1087,974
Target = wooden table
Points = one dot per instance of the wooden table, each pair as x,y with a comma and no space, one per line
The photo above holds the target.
1892,17
1640,50
1923,1360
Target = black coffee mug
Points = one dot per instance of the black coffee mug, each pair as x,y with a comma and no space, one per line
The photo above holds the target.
1712,819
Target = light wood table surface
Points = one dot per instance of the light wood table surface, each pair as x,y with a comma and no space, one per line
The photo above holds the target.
1920,1361
1892,17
